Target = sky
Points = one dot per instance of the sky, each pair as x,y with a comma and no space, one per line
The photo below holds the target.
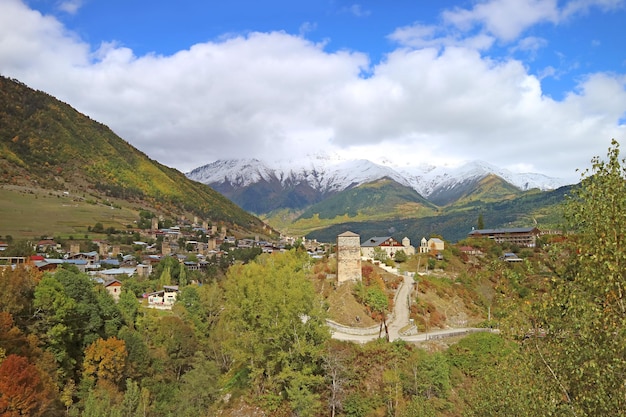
527,85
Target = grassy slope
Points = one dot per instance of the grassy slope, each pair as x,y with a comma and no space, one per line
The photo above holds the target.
379,200
45,143
47,213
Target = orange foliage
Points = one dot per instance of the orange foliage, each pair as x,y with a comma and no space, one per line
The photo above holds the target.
20,283
105,360
22,392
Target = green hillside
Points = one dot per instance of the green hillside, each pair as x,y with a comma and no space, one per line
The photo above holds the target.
453,223
46,144
487,189
385,207
383,198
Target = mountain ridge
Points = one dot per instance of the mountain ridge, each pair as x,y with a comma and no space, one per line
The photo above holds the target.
325,175
47,144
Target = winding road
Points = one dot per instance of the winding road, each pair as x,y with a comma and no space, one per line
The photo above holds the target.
400,320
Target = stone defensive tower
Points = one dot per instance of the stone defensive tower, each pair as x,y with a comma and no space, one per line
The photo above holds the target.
348,257
74,248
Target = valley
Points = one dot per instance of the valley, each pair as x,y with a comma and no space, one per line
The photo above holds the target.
135,290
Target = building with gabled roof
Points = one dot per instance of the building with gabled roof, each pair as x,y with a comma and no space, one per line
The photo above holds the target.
386,243
114,287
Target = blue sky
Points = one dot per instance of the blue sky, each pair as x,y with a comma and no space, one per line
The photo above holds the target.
528,85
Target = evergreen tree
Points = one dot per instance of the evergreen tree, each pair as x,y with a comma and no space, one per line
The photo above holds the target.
481,222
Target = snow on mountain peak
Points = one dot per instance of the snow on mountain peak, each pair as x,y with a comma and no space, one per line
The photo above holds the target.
329,172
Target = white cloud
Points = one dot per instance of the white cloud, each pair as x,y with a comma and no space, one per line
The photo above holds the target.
576,7
70,6
506,19
275,95
530,44
357,10
427,36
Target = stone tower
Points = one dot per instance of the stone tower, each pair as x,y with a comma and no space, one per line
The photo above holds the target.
165,247
155,223
74,248
348,257
103,249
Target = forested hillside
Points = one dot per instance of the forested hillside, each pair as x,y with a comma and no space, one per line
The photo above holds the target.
254,342
46,144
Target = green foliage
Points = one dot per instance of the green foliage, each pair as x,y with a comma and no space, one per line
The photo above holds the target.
275,326
584,314
400,256
478,352
380,254
19,248
71,315
480,224
377,300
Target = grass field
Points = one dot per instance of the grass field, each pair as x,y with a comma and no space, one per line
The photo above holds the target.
28,213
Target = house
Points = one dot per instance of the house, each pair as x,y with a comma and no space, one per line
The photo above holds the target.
510,257
113,287
470,250
90,257
387,244
433,245
144,270
520,236
116,272
47,244
163,299
50,265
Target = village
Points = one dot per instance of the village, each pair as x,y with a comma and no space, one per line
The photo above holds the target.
196,246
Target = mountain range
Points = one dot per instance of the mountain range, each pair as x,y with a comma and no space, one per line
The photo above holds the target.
48,151
320,194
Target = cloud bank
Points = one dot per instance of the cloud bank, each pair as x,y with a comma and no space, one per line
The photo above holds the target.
438,98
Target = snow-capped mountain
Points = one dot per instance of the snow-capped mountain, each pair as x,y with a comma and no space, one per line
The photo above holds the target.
429,179
322,173
331,174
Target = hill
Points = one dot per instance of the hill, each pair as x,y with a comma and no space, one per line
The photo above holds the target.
47,145
322,196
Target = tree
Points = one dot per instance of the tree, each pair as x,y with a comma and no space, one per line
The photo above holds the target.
20,283
400,256
105,360
480,224
19,248
199,388
128,307
178,341
380,254
182,277
71,315
335,365
22,392
584,313
166,277
276,326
